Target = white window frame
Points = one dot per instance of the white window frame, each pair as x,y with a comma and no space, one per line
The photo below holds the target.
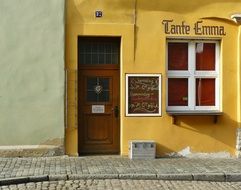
191,74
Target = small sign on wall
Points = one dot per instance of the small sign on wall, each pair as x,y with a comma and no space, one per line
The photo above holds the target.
98,109
143,94
98,14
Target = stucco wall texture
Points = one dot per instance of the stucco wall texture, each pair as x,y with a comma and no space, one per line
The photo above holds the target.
31,71
143,50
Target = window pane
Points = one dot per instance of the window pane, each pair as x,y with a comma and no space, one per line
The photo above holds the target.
205,56
177,92
177,56
98,50
103,97
205,92
97,89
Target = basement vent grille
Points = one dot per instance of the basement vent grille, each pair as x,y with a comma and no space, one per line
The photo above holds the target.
142,149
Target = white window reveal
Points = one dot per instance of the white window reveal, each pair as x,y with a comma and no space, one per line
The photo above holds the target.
193,76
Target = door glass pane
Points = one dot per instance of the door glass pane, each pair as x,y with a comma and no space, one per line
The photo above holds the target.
205,92
177,56
97,89
177,92
97,50
205,56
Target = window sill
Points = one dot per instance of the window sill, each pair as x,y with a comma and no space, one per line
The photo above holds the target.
200,112
214,113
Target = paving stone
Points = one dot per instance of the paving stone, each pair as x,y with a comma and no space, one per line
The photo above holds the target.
209,177
104,167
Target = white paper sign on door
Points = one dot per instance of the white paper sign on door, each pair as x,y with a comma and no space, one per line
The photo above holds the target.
98,109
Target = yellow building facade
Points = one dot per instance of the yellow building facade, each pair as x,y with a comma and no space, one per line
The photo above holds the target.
197,107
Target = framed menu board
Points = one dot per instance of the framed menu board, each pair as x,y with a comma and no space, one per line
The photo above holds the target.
143,94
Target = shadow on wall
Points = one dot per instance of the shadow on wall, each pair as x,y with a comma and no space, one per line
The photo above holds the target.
223,130
177,5
113,5
72,18
164,152
154,5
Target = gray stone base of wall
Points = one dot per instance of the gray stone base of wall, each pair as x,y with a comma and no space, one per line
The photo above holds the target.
238,143
238,154
31,151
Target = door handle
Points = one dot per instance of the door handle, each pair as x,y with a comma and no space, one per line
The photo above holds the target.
116,111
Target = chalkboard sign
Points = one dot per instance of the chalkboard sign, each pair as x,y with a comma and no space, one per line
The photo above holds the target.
143,95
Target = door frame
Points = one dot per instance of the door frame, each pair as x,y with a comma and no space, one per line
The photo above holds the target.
102,67
76,27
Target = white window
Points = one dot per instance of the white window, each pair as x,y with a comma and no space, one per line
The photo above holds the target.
193,76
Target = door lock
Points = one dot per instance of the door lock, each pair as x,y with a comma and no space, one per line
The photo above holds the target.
116,111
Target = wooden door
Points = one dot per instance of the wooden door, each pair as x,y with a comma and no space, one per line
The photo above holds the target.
98,104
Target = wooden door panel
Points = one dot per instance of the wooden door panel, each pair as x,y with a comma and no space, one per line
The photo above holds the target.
96,133
98,87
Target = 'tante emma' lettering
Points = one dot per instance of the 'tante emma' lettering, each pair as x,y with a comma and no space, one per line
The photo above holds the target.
208,30
175,29
199,28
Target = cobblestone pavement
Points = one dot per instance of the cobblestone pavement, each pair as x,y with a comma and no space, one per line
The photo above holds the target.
20,167
117,184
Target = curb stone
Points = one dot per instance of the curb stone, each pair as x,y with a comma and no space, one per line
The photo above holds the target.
38,178
10,181
137,176
209,177
218,177
233,177
184,176
58,177
92,176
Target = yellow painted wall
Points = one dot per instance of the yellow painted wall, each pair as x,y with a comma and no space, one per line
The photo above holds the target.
139,23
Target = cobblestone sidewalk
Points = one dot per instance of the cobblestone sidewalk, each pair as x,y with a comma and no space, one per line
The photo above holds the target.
117,184
112,167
